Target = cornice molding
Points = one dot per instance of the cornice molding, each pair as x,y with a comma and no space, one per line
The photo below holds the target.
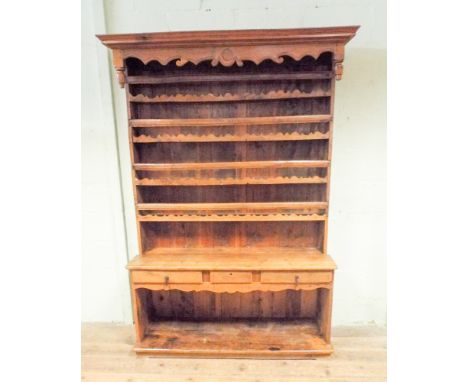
227,37
229,47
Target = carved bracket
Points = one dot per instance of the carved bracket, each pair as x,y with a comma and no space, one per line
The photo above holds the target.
338,68
119,65
338,58
121,76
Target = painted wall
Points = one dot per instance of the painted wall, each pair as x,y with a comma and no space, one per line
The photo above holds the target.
105,292
357,212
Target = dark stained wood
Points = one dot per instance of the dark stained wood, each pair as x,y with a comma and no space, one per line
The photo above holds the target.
230,138
185,98
228,181
165,304
227,78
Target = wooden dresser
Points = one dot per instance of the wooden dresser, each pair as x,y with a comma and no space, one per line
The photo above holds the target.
230,139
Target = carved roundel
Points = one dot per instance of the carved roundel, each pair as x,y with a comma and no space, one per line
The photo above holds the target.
227,54
226,57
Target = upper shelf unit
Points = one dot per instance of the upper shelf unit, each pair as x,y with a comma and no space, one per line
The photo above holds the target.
279,105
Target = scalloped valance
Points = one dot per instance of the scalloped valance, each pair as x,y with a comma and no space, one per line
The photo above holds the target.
229,47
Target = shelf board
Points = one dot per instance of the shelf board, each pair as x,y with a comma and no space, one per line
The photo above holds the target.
231,258
229,181
235,339
229,206
233,77
272,120
231,217
295,136
269,211
229,97
230,165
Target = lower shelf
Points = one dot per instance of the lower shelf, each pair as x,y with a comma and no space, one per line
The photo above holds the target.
294,339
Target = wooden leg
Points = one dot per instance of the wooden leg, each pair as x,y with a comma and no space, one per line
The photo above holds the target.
326,301
140,315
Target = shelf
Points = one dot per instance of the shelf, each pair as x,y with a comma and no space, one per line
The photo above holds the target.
230,165
228,97
230,206
273,120
230,217
233,77
230,137
272,211
239,339
228,181
230,258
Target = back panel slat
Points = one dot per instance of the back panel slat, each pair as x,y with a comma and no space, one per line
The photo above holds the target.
287,304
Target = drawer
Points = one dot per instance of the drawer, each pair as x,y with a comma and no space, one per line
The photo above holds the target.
296,277
230,277
161,277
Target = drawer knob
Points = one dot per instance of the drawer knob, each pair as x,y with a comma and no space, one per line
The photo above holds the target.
296,280
166,280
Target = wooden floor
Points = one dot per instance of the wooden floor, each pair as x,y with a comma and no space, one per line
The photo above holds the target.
107,356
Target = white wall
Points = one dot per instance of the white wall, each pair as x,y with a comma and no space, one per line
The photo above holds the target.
105,294
357,215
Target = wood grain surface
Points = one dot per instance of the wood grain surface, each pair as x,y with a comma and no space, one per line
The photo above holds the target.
107,356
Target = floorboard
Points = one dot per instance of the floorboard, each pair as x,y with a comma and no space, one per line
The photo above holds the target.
107,356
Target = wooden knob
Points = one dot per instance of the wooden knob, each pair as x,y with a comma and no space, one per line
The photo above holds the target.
166,280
